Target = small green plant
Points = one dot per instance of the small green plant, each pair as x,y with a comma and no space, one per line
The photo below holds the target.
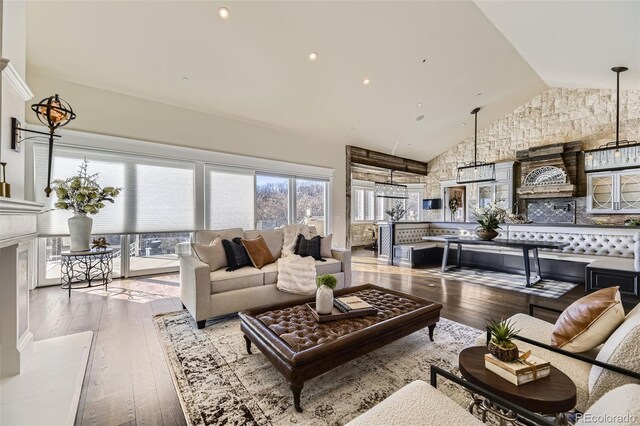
327,280
502,333
490,217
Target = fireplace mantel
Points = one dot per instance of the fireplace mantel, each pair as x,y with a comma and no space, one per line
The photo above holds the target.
18,230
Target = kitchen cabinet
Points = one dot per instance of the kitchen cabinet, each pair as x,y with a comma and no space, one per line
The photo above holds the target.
613,192
499,191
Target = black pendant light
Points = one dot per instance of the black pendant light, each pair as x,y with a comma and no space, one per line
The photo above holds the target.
616,155
477,171
391,190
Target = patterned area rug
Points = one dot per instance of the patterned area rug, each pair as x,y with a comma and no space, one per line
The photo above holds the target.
545,288
219,383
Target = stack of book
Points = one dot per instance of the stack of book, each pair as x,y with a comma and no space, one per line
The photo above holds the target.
519,372
350,303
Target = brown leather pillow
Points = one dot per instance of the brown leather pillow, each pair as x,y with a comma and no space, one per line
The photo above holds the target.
589,321
258,251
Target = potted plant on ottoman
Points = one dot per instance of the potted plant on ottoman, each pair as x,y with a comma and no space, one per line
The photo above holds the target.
324,295
501,345
82,194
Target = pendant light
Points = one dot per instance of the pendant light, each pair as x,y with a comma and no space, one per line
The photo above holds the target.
477,171
391,190
615,155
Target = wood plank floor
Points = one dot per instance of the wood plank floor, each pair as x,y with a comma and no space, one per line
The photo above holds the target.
128,381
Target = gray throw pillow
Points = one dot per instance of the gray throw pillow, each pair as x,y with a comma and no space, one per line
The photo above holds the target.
212,254
325,246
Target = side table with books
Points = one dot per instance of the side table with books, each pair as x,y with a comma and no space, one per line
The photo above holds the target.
552,393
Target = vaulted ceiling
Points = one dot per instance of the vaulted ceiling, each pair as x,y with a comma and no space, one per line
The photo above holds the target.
436,59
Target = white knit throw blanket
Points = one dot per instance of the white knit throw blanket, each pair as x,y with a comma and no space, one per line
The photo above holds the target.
296,274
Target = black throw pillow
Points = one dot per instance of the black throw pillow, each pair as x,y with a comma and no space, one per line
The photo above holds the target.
237,255
310,247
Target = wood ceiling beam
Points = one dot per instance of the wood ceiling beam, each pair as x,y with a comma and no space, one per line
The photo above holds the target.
367,157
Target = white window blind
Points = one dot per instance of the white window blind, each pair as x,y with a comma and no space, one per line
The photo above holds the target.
363,204
158,194
229,198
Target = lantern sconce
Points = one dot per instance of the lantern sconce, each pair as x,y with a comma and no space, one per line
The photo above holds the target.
53,112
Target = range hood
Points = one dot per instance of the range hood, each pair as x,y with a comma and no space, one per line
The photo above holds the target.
549,171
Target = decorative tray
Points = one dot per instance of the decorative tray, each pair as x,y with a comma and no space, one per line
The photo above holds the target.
337,314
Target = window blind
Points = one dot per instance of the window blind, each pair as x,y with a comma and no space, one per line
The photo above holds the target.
158,194
229,198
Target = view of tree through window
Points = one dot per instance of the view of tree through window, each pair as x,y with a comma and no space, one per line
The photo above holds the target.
272,202
309,200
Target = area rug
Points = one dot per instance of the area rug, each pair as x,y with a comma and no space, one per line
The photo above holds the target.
219,383
546,288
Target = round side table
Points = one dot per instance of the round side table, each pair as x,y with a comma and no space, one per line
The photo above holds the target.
553,395
81,268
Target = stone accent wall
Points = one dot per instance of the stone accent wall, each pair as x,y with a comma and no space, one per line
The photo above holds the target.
556,115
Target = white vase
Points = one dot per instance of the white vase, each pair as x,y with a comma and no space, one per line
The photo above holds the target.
80,231
324,300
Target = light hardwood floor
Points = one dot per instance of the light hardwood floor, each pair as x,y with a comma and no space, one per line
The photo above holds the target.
127,379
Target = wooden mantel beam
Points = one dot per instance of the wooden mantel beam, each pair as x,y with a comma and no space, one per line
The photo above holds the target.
356,155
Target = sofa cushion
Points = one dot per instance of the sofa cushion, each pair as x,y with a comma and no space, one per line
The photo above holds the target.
270,273
329,266
588,321
620,349
418,403
620,403
237,255
212,254
223,281
325,246
273,237
308,247
206,236
258,252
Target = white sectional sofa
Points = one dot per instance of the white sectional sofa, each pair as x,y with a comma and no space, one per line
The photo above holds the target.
207,294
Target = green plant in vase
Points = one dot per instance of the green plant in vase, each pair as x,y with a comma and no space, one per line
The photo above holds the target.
489,218
501,344
324,295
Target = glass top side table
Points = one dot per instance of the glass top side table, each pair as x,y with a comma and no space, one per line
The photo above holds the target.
80,269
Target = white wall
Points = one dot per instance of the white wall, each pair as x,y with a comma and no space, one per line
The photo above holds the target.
109,113
13,48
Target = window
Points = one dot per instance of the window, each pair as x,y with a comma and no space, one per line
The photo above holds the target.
158,194
54,246
155,251
363,204
311,203
272,201
229,198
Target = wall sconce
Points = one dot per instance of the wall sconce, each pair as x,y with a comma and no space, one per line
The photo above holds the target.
53,112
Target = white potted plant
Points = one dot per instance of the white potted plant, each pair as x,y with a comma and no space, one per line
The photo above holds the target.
82,194
324,295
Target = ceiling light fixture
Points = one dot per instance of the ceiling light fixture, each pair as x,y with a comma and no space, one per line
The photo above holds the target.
419,105
610,155
366,81
313,56
477,171
391,190
224,13
420,117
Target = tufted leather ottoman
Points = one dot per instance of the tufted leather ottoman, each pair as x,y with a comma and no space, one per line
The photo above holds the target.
301,348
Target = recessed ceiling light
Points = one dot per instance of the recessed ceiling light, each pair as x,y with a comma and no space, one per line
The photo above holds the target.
185,78
419,105
420,117
224,13
479,94
366,81
313,56
463,124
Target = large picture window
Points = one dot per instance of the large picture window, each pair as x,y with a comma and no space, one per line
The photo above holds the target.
229,198
272,201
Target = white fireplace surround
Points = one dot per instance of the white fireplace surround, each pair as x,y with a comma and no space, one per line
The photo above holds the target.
48,374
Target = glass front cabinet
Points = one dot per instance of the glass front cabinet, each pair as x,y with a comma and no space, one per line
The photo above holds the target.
614,192
499,191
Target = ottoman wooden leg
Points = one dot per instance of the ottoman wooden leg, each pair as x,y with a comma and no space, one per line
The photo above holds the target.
431,328
248,342
297,390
